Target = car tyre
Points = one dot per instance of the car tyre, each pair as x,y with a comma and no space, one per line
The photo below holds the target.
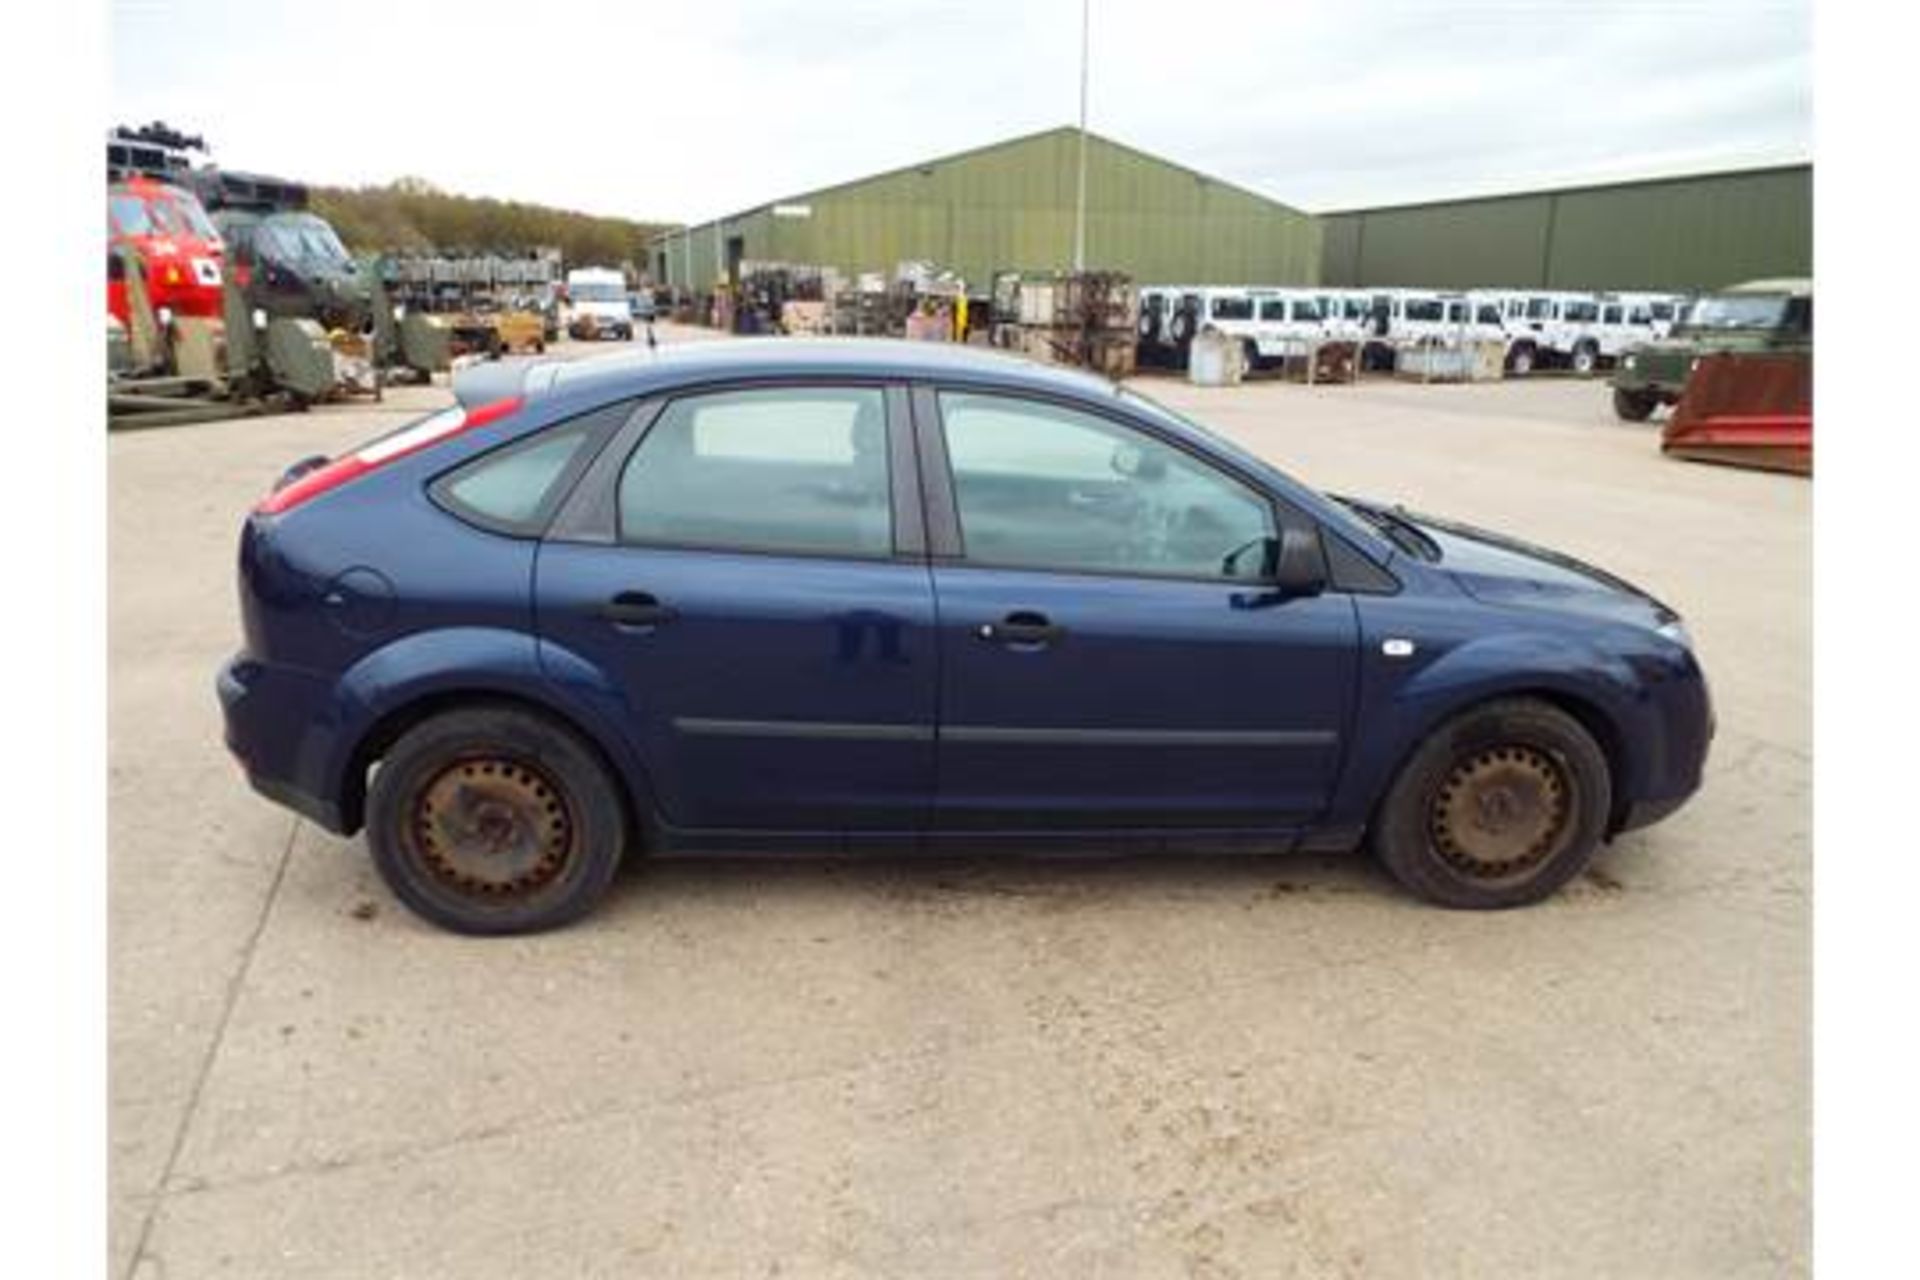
1499,807
495,820
1520,363
1633,406
1586,358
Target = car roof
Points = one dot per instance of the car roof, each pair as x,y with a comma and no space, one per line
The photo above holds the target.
1795,286
689,363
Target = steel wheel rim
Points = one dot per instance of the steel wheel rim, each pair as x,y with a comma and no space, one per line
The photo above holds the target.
493,828
1502,812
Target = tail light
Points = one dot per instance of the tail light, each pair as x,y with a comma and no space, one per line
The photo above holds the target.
302,485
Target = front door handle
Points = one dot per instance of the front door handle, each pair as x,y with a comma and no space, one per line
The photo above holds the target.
1022,629
637,609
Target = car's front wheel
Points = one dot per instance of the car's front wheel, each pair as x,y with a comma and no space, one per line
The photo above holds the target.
1499,807
495,820
1633,406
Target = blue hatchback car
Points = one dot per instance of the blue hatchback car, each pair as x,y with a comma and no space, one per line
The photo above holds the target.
833,595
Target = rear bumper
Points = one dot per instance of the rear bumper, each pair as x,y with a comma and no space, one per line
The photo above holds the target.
277,729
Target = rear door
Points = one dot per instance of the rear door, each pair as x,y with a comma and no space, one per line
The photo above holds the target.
749,575
1108,655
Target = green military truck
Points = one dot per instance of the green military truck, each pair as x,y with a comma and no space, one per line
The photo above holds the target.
1772,317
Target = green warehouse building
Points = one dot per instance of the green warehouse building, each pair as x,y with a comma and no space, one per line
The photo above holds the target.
1701,231
1010,207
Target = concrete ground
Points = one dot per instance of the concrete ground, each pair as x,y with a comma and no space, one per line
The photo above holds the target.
1251,1067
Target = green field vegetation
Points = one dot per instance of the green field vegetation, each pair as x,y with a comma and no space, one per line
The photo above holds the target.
412,214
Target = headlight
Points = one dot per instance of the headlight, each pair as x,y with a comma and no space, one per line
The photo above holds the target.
1631,362
1675,631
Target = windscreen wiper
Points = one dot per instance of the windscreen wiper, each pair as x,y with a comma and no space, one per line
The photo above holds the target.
1401,531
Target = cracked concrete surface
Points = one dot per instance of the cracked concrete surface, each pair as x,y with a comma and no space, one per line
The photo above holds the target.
1209,1067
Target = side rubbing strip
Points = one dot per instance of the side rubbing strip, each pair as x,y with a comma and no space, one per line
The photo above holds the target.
825,729
1144,737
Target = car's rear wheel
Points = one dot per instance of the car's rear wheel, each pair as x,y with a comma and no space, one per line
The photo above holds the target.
1520,361
1586,358
495,820
1499,807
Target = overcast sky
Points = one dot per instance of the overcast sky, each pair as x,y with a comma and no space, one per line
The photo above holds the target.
680,111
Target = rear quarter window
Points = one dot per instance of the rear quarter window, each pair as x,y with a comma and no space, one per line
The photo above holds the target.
516,488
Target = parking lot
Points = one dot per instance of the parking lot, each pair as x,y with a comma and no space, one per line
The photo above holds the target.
1212,1067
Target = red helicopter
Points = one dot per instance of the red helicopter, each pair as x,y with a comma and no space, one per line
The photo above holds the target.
181,256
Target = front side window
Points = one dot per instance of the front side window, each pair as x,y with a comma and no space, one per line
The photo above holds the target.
1306,309
1489,314
1273,309
796,469
1040,486
1580,312
1611,315
1232,309
1422,309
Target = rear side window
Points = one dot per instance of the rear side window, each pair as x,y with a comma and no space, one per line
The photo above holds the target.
516,489
1232,309
796,469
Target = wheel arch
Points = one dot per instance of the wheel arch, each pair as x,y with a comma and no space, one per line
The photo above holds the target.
1590,712
394,723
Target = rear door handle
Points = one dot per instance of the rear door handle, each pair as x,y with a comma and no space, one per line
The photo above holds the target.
637,609
1021,629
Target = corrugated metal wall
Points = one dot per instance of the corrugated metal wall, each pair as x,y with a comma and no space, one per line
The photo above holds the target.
1010,207
1682,233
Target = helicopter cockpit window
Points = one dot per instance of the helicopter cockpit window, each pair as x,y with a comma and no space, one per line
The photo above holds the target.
130,217
185,217
304,238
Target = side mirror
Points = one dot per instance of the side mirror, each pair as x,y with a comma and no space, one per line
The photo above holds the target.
1300,562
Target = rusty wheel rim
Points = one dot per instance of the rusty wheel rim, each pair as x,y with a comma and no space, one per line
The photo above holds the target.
1502,812
493,828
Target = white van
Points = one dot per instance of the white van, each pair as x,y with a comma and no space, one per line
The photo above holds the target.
1269,323
597,305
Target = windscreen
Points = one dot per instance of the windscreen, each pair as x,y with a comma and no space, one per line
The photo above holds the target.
1738,311
597,292
301,237
182,215
129,215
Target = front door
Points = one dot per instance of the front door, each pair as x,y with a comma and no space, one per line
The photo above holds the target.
1109,657
764,610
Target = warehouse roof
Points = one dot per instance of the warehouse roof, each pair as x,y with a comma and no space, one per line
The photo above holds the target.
972,153
1610,184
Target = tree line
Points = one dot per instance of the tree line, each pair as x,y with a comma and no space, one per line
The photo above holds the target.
411,214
